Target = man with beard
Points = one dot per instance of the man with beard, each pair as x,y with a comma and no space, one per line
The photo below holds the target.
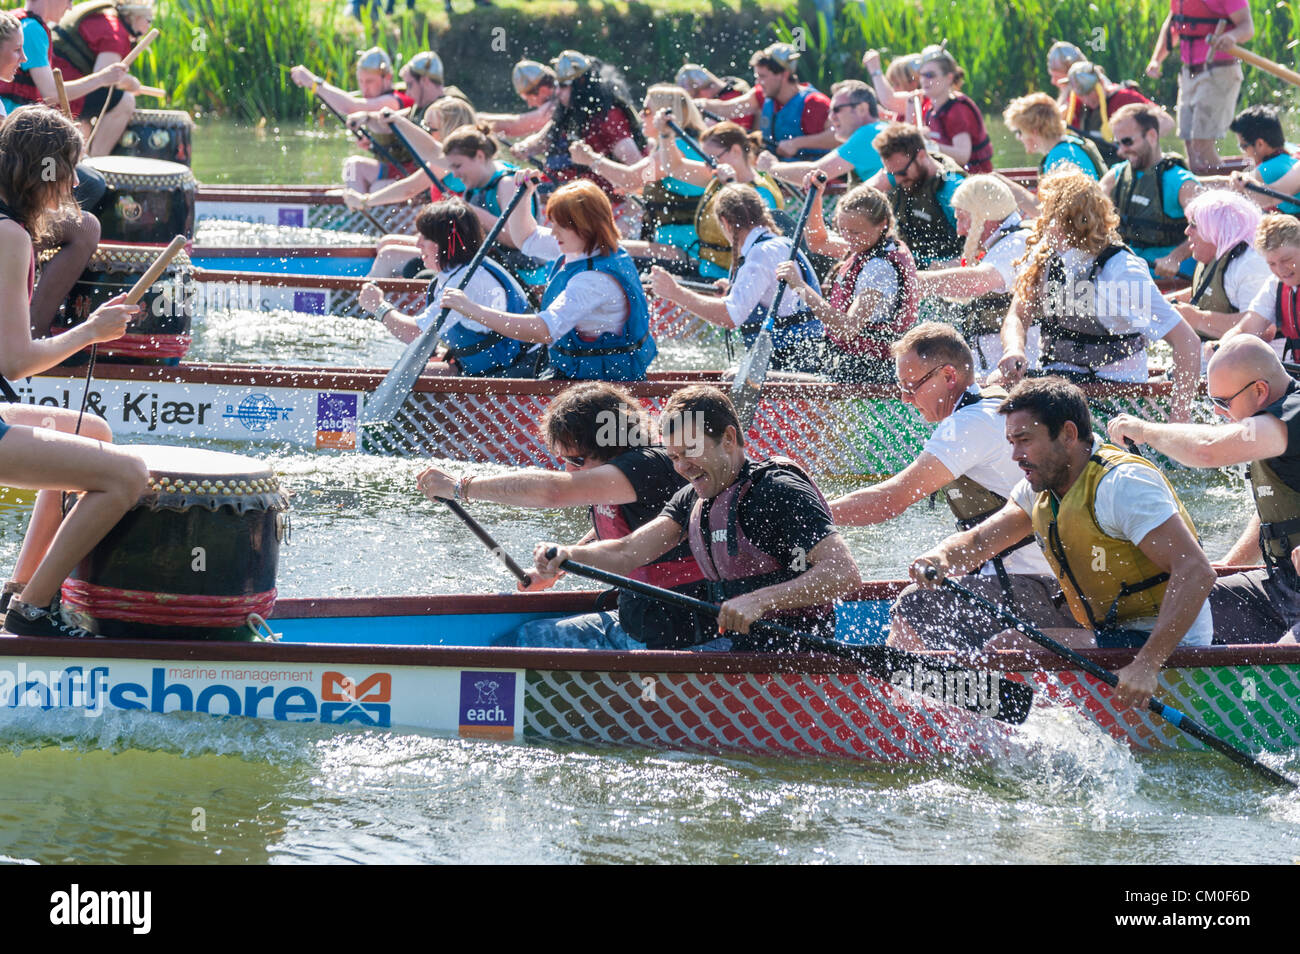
920,188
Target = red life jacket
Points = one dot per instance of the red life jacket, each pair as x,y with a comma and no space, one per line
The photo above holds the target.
1288,317
1192,18
876,339
23,86
611,523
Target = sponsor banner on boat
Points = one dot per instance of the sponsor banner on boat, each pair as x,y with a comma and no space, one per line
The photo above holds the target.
301,416
285,214
475,703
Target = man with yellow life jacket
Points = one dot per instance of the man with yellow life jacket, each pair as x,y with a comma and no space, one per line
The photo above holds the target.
1150,192
1118,540
761,531
967,460
602,437
920,188
1248,386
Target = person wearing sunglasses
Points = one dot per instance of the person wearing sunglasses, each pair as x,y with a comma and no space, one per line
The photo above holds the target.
1097,307
856,122
1093,98
1250,388
920,186
967,458
954,122
1274,312
1261,140
611,464
1150,191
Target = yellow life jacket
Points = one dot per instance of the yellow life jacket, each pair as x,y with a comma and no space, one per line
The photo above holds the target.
1106,581
713,245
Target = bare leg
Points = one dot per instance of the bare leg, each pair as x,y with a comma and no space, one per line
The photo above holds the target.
360,173
902,636
1073,638
391,259
78,235
114,123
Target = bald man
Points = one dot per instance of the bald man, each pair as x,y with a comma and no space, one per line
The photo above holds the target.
1248,385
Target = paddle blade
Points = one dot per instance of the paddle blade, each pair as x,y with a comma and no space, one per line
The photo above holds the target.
383,405
748,386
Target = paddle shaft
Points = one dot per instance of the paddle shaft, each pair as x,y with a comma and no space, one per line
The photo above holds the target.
691,141
1271,193
108,96
62,93
424,166
883,662
1268,66
497,550
1171,715
392,391
380,148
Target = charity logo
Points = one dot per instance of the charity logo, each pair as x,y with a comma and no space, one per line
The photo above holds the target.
257,412
309,303
291,217
343,699
487,704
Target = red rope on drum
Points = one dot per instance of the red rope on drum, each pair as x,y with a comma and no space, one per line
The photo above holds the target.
147,346
164,609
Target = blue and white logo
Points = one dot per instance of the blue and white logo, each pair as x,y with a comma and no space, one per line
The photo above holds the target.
257,412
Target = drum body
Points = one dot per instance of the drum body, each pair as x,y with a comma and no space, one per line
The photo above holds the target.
161,333
193,559
157,134
147,200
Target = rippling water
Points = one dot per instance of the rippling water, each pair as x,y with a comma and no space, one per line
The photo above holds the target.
131,787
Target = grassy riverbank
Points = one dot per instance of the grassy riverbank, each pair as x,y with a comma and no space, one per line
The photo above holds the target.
232,56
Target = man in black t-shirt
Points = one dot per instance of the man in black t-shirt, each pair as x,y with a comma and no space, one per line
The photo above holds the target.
1248,385
601,436
761,533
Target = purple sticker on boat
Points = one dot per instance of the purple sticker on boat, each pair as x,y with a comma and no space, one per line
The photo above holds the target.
311,303
487,704
336,412
291,217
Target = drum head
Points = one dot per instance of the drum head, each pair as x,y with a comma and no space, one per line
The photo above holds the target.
136,169
184,477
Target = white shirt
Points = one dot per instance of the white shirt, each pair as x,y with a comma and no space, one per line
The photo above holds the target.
482,289
755,282
879,276
592,302
972,442
1246,275
1132,500
1008,246
1127,301
1264,304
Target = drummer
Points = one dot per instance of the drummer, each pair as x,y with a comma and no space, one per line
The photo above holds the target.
594,318
536,85
90,37
42,447
375,82
449,236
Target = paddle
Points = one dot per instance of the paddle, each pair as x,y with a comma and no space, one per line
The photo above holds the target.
691,141
108,94
1174,717
1271,193
1268,66
748,386
380,148
393,390
1014,698
62,93
497,550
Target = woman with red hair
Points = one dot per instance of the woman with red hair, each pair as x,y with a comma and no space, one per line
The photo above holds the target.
594,319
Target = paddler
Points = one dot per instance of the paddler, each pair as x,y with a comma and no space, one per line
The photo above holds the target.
856,122
1210,78
920,188
758,248
1098,307
611,464
1247,385
700,83
1221,227
995,240
1150,190
967,460
873,295
1060,57
594,320
761,532
894,87
444,117
1094,99
792,116
374,74
954,122
41,447
91,36
1120,543
1261,140
1037,123
536,85
1274,312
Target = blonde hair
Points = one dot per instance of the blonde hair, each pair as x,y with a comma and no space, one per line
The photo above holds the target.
871,202
452,112
683,109
902,74
1036,113
9,25
983,197
1277,230
1075,204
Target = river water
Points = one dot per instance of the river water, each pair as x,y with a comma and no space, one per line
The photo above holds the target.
129,787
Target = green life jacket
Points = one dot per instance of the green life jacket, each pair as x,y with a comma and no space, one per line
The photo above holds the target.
69,44
921,218
1208,289
1143,221
1277,501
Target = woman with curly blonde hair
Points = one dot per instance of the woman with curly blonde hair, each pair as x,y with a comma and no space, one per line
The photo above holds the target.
1094,300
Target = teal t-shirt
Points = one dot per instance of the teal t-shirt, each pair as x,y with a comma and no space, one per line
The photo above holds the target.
36,49
1272,169
858,151
1068,154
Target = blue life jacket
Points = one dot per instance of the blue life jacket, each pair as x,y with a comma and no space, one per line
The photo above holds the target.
788,123
486,353
485,197
610,357
787,329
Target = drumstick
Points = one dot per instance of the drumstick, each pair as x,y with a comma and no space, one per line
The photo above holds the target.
157,92
140,47
156,269
63,93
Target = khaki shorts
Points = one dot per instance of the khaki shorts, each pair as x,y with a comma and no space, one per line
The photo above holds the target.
944,619
1207,102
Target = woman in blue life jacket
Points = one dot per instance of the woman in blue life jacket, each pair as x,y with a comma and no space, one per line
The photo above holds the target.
758,248
594,321
449,236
